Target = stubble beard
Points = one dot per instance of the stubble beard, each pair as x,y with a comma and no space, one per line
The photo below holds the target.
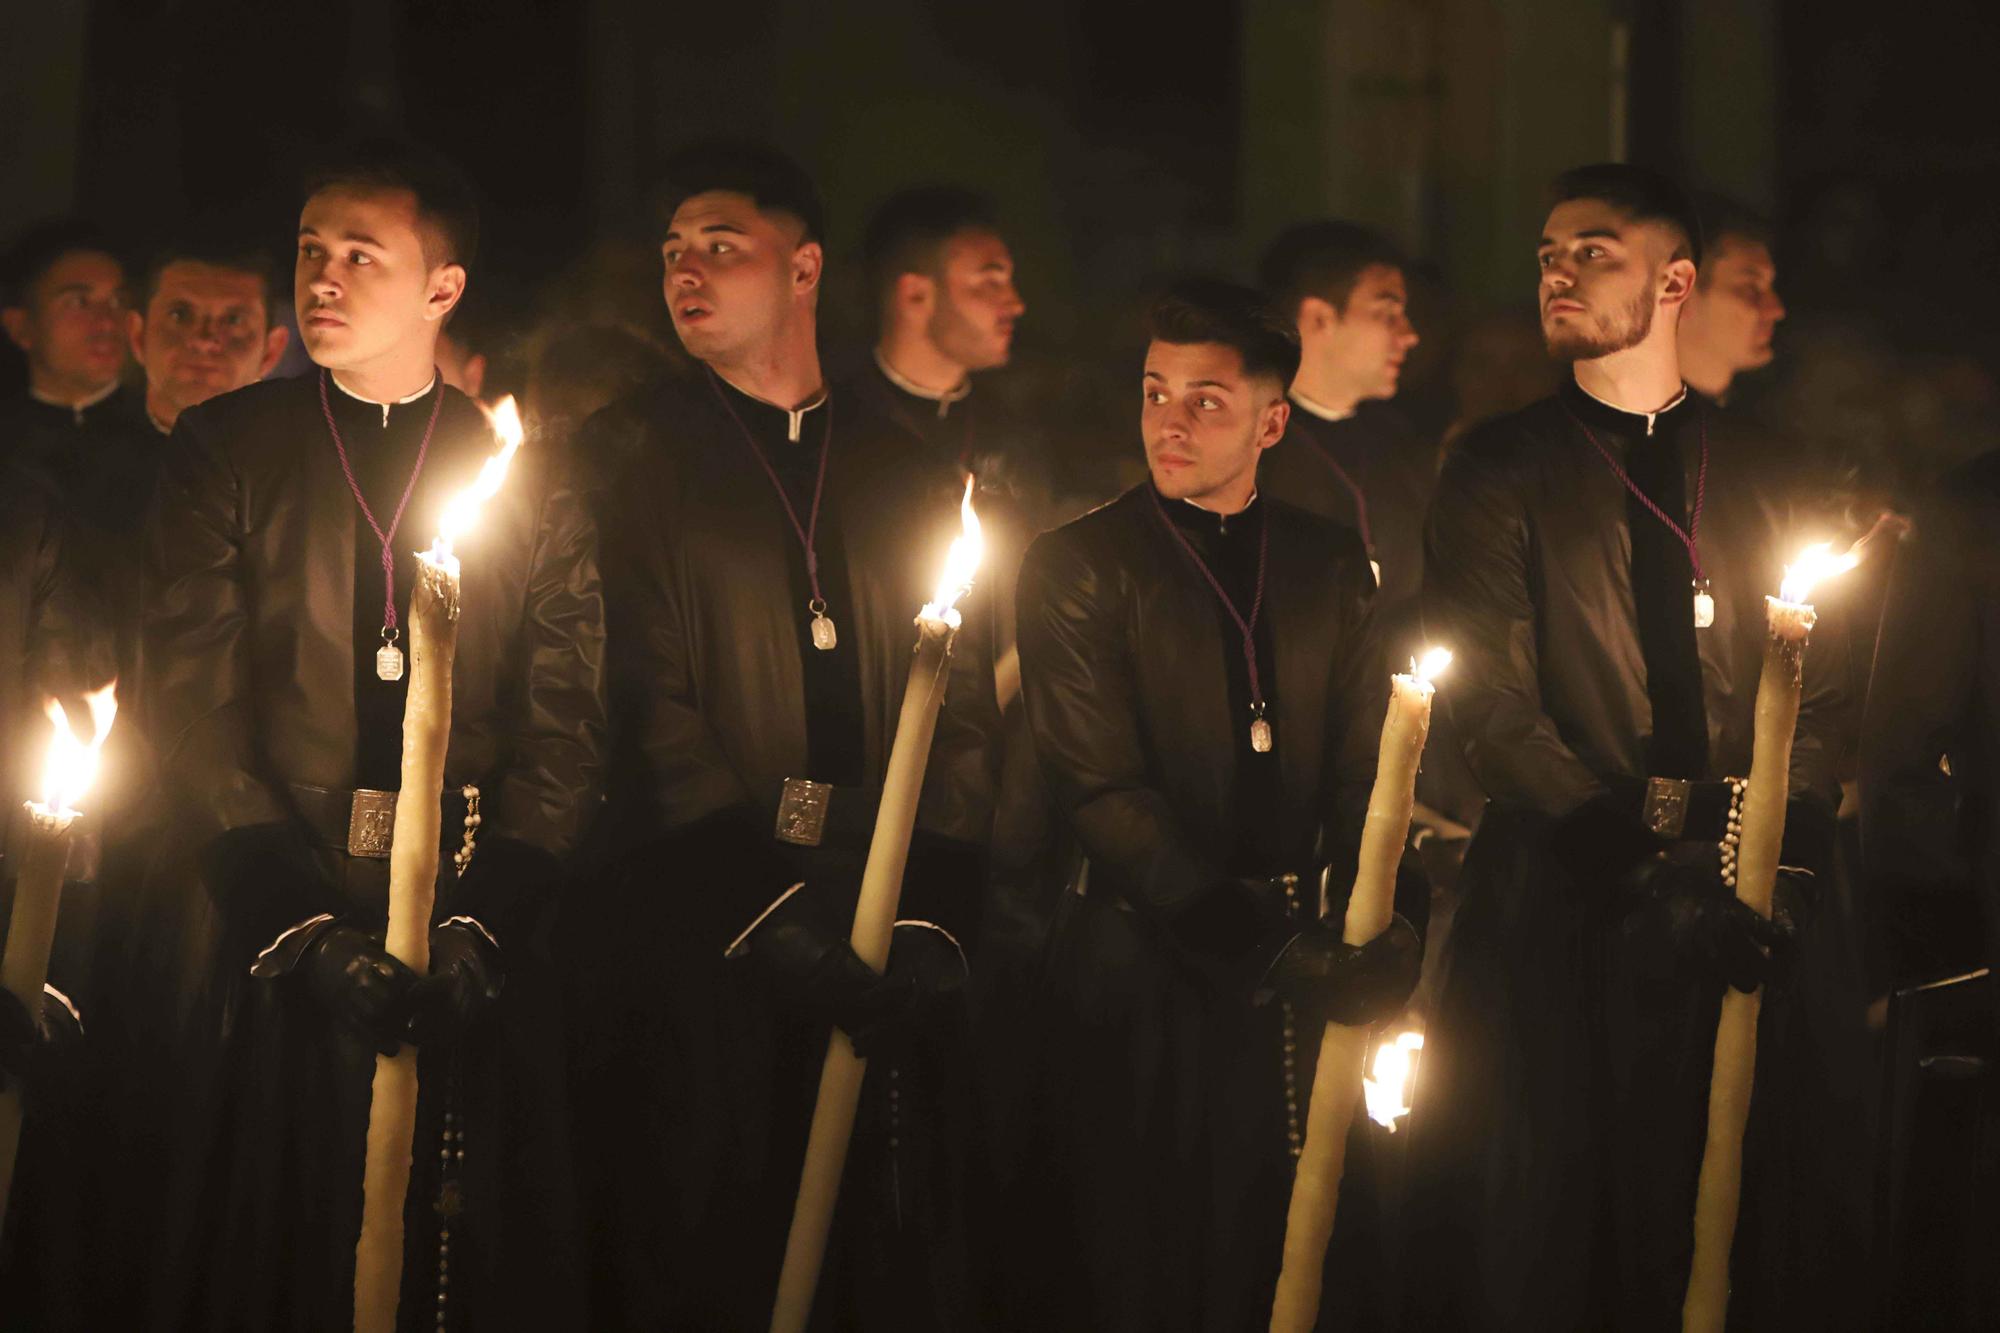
1608,335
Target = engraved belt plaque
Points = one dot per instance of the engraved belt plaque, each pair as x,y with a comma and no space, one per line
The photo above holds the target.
370,821
802,811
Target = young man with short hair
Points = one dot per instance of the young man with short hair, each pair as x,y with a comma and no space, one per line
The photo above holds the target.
204,326
64,304
768,545
1206,699
1734,309
1599,562
281,573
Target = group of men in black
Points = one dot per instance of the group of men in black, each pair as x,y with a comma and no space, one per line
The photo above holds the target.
681,657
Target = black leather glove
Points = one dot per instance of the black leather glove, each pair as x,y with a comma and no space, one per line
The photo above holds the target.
1336,982
359,985
922,995
31,1043
1687,912
465,979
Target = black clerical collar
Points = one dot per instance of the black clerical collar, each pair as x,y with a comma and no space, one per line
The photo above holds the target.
1594,411
1192,517
906,385
76,410
763,411
376,402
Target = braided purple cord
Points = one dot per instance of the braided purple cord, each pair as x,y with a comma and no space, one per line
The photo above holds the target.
1248,627
1692,533
386,538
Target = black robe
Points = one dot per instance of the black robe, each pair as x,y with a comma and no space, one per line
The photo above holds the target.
264,610
48,633
1165,1086
695,1089
1561,1107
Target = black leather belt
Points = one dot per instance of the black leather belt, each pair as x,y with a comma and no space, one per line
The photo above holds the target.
813,813
1677,809
362,822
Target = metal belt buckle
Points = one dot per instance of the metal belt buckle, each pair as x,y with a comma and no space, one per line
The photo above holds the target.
802,811
370,821
1666,812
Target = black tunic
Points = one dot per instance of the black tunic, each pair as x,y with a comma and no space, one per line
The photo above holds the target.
1165,1086
1559,1123
262,628
694,1088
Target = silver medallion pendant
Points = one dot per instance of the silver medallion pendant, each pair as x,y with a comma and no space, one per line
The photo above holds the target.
389,662
1704,606
1260,735
824,636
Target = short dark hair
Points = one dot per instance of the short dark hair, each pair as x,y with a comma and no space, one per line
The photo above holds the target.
447,204
773,181
1723,216
1640,193
235,256
38,250
1211,310
1324,259
909,231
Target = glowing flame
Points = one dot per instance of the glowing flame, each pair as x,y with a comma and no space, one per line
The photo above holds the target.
464,507
960,563
72,765
1431,665
1394,1079
1815,564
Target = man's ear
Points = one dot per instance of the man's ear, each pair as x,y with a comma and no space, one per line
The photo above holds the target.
15,320
1316,315
1676,282
915,291
275,343
807,262
135,333
446,290
1271,428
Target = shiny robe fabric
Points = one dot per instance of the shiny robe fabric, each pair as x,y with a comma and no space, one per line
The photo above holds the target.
1162,1087
1561,1106
251,653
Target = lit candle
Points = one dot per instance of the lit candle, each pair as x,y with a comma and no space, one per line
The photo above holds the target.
1790,619
874,925
413,866
31,931
1337,1083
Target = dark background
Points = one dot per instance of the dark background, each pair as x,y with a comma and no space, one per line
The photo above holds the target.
1124,140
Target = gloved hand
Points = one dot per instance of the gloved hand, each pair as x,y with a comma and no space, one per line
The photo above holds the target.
359,985
922,993
30,1043
1687,912
465,979
1335,982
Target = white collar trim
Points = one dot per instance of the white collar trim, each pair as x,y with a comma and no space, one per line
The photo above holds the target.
909,386
1651,417
795,416
363,398
78,408
1320,410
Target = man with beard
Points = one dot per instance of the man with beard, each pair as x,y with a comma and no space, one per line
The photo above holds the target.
1207,701
64,306
942,279
1734,309
280,576
768,545
1599,563
1346,454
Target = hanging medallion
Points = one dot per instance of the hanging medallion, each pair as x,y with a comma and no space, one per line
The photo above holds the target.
1704,605
824,636
389,658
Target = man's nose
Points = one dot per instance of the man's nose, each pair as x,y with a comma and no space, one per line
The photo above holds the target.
685,274
1406,333
1774,306
1014,305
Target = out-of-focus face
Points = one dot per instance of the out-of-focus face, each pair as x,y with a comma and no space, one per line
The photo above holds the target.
1205,422
1362,346
736,276
1734,309
72,326
205,331
365,293
972,318
1602,278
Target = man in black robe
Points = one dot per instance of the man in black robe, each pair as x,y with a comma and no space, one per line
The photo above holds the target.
1734,311
768,546
1598,562
65,304
281,569
1207,701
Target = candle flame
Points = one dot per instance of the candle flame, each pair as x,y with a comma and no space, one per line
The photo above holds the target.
71,765
960,563
1431,665
1815,565
464,507
1393,1081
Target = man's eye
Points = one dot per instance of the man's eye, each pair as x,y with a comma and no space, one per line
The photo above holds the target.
720,247
309,251
1593,252
1155,397
360,259
1206,404
1543,261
